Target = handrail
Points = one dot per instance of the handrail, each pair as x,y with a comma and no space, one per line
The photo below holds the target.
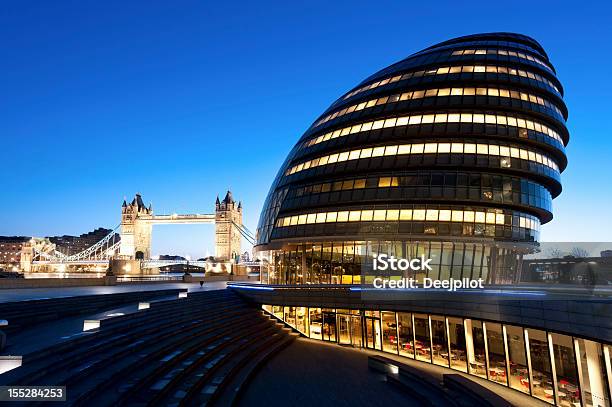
541,290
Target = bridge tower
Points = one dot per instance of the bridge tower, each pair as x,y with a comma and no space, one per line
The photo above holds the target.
27,255
227,236
135,233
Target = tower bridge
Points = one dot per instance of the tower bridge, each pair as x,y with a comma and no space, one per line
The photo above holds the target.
128,247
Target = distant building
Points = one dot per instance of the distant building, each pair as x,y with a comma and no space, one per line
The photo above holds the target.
11,246
244,257
570,270
10,251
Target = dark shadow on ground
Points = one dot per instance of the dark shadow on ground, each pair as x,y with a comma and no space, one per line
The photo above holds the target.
311,373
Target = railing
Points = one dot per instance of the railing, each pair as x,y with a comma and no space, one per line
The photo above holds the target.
101,250
519,289
164,263
130,279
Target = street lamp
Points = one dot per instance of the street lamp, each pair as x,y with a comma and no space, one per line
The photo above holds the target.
187,270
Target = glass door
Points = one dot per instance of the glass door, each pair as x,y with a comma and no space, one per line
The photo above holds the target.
356,331
372,332
329,325
344,329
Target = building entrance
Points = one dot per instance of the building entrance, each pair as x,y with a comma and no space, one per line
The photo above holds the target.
356,331
372,332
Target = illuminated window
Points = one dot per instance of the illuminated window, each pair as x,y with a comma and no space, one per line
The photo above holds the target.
429,148
418,214
458,69
444,215
379,215
367,215
360,183
406,214
384,182
457,216
431,214
392,214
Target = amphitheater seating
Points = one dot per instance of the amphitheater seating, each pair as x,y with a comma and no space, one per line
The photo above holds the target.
421,385
191,351
23,314
454,389
472,390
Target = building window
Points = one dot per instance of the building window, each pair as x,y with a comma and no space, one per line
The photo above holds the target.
405,334
439,341
519,373
496,353
329,325
475,346
389,331
542,384
302,321
566,371
456,339
316,323
592,371
422,337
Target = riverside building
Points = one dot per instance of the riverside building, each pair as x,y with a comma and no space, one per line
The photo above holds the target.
453,154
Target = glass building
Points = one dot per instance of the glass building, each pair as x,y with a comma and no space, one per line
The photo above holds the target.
454,153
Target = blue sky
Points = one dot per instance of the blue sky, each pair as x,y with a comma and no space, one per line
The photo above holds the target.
182,100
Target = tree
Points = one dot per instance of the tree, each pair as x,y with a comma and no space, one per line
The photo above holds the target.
579,252
554,253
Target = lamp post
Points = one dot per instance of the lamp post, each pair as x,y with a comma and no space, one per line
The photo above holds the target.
187,269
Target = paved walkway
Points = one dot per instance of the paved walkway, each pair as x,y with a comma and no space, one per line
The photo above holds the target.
314,373
22,294
311,372
45,334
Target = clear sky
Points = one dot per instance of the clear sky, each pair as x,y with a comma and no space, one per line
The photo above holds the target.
180,100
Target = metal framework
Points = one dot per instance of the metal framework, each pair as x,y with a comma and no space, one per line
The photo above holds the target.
246,233
102,251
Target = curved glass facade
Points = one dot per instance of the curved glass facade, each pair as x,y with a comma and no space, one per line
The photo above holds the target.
454,152
558,369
